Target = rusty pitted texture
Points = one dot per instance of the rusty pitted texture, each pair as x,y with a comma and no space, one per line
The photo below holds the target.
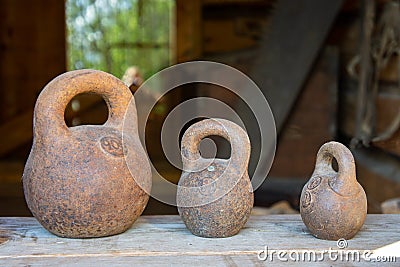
76,180
215,196
333,205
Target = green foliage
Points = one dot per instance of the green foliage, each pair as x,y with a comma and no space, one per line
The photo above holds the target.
112,35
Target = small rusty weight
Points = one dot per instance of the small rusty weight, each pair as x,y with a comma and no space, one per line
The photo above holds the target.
333,205
215,196
76,180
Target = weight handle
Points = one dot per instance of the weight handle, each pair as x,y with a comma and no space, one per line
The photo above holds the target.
233,133
345,179
52,101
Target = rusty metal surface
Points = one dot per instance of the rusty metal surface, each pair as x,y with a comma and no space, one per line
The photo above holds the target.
215,196
76,180
333,205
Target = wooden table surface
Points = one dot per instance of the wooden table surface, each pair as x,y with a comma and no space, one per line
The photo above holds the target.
164,241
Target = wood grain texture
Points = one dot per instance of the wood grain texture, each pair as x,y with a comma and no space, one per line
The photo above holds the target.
188,30
164,241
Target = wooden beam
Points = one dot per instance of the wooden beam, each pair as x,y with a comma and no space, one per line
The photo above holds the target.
188,30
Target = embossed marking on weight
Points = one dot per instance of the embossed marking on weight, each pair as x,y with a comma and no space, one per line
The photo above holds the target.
112,145
208,186
307,199
314,183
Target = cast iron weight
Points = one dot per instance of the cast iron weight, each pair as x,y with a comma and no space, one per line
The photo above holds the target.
76,180
215,196
333,205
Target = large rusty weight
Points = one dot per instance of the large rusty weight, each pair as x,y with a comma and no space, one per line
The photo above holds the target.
215,196
333,205
76,180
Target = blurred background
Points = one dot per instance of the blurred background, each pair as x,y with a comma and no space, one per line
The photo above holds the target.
329,69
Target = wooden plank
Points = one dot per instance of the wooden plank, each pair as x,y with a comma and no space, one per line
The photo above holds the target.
188,30
164,241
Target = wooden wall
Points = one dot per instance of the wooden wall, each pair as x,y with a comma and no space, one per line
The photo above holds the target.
32,52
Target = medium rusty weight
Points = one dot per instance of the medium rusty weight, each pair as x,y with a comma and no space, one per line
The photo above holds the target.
215,196
333,205
76,180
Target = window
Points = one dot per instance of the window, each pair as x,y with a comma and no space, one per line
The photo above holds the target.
113,35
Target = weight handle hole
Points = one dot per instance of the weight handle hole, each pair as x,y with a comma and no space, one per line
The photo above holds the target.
335,164
215,146
86,109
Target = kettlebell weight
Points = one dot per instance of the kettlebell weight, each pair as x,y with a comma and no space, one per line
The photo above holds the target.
333,205
76,180
215,196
